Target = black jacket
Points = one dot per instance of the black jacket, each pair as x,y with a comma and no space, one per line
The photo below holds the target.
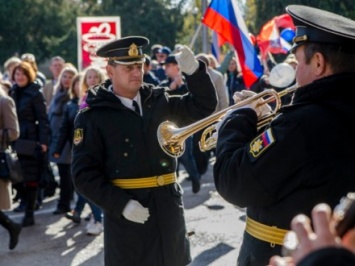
150,78
66,130
305,157
178,91
34,125
234,83
112,141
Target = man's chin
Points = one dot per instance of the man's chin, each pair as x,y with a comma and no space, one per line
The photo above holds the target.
137,83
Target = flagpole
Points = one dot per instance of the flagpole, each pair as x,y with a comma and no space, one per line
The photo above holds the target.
192,43
205,42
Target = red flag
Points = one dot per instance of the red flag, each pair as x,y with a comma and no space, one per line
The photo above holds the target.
269,37
284,21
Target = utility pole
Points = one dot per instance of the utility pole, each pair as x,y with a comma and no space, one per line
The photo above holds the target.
201,27
205,41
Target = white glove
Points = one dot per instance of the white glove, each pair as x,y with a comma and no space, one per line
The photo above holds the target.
261,110
135,212
186,60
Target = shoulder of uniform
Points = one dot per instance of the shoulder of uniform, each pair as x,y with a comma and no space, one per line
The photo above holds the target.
85,109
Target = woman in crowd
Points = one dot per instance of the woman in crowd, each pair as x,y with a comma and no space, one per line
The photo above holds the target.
9,65
235,80
92,76
33,122
40,77
8,121
63,162
66,134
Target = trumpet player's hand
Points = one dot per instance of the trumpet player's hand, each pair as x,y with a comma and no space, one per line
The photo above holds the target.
260,109
186,60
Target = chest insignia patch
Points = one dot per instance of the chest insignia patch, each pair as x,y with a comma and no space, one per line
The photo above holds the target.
78,136
261,143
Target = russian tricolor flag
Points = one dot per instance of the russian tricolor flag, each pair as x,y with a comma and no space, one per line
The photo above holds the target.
225,18
215,45
269,39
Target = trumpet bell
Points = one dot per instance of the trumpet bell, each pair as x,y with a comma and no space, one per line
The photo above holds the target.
169,141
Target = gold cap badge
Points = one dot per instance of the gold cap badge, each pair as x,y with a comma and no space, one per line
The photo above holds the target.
133,50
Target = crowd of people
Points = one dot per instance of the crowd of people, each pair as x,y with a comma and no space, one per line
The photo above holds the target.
44,110
96,127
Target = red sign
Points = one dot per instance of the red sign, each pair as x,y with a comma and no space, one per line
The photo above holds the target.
93,32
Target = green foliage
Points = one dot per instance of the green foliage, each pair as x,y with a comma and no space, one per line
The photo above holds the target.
47,28
44,28
158,20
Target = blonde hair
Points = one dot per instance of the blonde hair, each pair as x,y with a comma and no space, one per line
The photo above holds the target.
75,80
84,87
67,68
213,61
30,58
14,60
5,85
2,91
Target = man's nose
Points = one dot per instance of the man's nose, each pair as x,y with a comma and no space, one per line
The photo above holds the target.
137,70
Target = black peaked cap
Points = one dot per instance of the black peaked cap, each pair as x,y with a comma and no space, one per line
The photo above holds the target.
124,50
316,25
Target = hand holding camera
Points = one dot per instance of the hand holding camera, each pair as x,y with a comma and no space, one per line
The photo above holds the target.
329,230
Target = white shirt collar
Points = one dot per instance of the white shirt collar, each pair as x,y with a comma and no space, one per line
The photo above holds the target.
129,102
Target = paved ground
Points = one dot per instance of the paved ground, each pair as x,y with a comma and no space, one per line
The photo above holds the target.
55,241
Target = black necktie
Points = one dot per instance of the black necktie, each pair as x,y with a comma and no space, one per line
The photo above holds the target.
136,107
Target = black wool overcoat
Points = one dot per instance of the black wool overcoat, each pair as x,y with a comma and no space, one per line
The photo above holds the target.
112,141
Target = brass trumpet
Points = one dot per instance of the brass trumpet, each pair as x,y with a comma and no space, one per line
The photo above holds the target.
172,139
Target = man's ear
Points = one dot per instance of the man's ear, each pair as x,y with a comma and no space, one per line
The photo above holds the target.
109,70
319,64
